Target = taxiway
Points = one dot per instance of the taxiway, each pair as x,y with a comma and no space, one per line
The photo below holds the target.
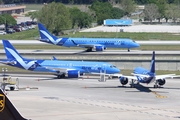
86,98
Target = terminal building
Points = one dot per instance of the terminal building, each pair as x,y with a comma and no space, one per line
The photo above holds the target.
12,9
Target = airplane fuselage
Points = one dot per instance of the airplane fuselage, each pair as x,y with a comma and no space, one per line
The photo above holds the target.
106,42
82,67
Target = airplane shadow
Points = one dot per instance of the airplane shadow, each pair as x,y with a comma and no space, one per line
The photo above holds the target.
140,88
84,51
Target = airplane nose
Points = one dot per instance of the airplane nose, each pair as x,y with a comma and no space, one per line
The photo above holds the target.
117,70
137,45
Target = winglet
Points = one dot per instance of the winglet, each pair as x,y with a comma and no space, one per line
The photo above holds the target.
54,58
152,67
7,109
74,42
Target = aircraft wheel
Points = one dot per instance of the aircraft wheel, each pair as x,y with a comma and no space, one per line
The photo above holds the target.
59,76
63,76
155,86
89,50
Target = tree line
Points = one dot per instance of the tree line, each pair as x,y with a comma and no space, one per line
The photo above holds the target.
58,17
140,2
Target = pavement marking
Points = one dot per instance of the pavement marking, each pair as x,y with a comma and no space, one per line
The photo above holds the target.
158,95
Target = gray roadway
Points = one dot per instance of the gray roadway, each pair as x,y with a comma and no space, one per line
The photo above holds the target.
106,52
88,99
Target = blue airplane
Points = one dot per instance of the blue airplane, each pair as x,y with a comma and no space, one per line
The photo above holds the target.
142,75
71,69
99,44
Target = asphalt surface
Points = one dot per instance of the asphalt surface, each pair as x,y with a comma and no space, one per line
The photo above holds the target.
88,99
82,51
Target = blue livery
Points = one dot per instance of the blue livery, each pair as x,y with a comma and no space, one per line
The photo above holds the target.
71,69
99,44
142,75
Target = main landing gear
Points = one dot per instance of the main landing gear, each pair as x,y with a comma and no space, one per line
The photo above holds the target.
89,50
61,76
156,85
128,50
132,83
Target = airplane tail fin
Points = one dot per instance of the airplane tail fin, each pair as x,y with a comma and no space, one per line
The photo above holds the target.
44,34
11,52
7,109
152,67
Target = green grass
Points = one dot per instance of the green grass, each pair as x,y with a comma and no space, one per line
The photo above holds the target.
134,36
158,72
55,47
34,34
24,35
33,7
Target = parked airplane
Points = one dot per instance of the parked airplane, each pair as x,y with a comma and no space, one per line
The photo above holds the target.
73,69
142,75
99,44
7,109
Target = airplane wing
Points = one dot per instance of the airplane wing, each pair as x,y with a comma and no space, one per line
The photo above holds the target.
130,77
166,76
7,62
86,45
61,69
113,75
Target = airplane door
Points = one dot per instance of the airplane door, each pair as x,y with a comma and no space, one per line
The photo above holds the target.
70,64
104,68
102,75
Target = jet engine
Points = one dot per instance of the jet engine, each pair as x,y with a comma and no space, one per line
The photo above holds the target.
100,48
73,74
161,82
123,80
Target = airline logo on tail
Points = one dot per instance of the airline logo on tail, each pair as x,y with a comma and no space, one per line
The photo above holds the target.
50,37
20,60
2,102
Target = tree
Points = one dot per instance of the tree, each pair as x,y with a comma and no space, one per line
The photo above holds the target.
128,6
56,17
117,13
85,20
105,12
172,12
151,12
75,14
161,7
33,15
7,20
79,18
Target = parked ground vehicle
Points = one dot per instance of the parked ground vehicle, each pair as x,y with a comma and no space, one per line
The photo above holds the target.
2,32
9,84
10,31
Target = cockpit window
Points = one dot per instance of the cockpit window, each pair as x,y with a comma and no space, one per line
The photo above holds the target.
112,66
133,41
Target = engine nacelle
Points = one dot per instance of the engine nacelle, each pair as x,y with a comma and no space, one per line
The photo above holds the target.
100,48
161,82
123,80
73,74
